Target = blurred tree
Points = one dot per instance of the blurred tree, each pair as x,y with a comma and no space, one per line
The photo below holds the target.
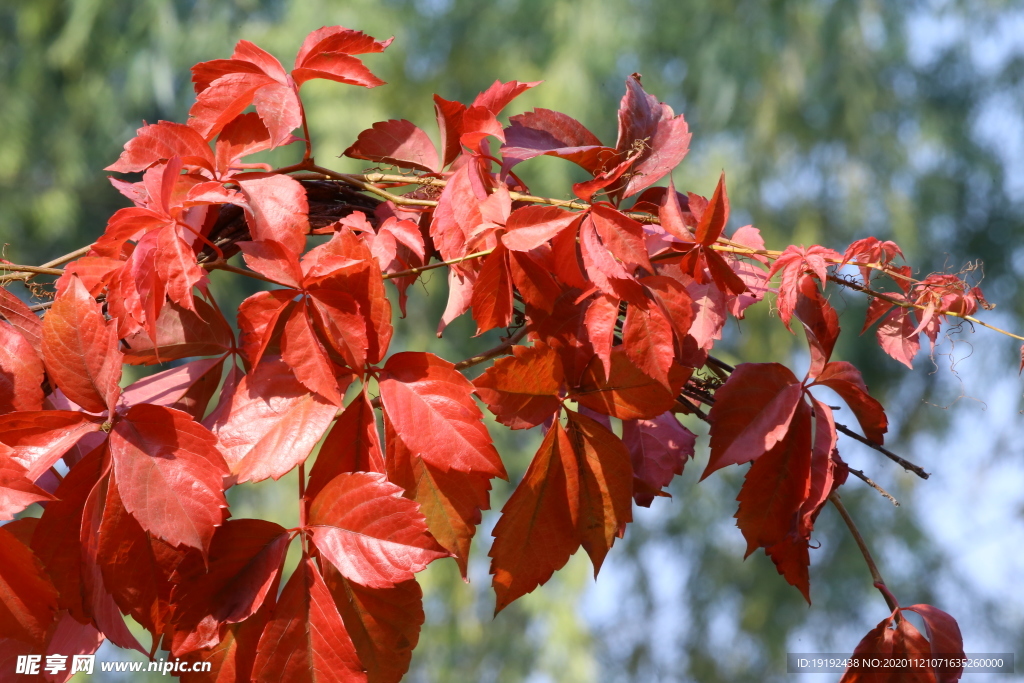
834,119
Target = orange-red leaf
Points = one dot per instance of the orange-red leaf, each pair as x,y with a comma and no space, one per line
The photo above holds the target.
399,143
628,393
28,601
374,536
306,640
523,391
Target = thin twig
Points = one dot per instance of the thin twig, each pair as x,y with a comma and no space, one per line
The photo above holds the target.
867,480
876,576
222,265
499,350
905,464
438,264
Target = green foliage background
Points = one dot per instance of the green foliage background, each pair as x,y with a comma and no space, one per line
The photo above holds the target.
833,119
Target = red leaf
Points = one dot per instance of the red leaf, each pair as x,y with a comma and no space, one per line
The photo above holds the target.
384,623
21,372
752,413
38,439
534,282
451,501
628,393
231,660
399,143
623,236
181,333
449,123
648,340
135,567
361,523
604,270
17,491
24,320
169,474
523,391
605,481
302,351
273,260
306,641
353,445
712,219
601,318
269,424
709,314
57,538
776,485
176,265
531,226
897,335
80,350
546,132
901,643
326,53
244,564
944,638
821,324
665,136
492,292
794,262
536,534
846,380
260,320
670,213
499,94
246,134
28,601
341,323
162,141
675,302
430,404
659,449
277,210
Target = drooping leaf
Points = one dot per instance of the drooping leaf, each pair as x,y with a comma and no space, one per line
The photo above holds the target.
80,350
605,482
277,210
536,533
450,501
752,413
28,601
361,523
269,424
352,445
431,407
169,474
306,640
384,623
776,485
21,372
659,449
244,563
846,380
522,391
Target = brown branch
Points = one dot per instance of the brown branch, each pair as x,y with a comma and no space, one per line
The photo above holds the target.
222,265
905,464
499,350
438,264
876,576
867,480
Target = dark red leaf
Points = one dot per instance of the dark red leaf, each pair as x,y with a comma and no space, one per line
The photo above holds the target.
384,623
665,137
628,393
352,445
752,413
659,449
399,143
21,372
846,380
38,439
28,601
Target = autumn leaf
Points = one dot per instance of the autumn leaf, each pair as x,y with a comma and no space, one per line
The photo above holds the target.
361,523
523,391
431,407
